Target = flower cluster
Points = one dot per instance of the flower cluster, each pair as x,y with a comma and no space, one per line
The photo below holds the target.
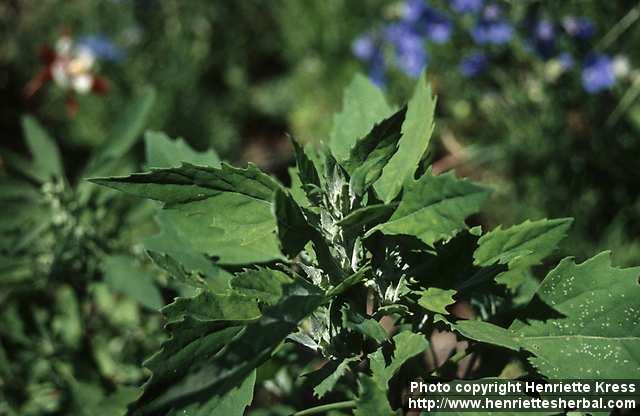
420,25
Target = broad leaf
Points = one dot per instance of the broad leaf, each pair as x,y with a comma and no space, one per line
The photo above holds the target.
434,208
223,212
436,300
407,345
207,306
208,358
232,403
363,105
123,275
264,285
597,334
162,152
372,399
366,326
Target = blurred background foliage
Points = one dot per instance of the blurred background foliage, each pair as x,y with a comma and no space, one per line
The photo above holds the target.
537,98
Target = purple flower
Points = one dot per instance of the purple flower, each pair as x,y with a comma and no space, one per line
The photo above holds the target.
496,32
474,64
101,47
578,27
467,6
597,73
364,47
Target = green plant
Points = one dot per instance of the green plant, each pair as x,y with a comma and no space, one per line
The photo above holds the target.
77,295
360,261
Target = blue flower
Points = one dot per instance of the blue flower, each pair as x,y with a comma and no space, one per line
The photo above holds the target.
474,64
422,19
438,27
364,47
377,69
597,73
544,38
491,13
414,10
409,47
544,30
566,61
578,27
101,47
492,32
467,6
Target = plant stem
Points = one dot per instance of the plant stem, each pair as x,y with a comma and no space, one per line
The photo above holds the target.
326,407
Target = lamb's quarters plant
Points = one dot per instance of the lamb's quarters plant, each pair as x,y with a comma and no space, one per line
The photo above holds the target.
78,295
367,234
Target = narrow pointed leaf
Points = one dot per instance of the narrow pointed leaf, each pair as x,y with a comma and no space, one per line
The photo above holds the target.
525,244
416,133
44,150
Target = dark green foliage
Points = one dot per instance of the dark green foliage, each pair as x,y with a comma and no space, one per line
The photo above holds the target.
322,264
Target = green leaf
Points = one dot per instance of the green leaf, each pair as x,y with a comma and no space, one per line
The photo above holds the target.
47,162
350,281
599,335
370,154
434,208
232,403
366,326
124,134
162,152
225,212
176,270
293,230
190,183
591,330
372,399
262,284
207,358
210,307
308,174
363,105
487,332
522,245
416,132
407,345
169,242
335,370
296,189
366,217
123,275
436,300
